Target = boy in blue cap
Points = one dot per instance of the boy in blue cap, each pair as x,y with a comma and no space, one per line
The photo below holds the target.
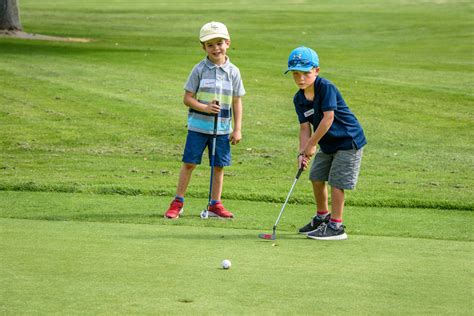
214,87
318,103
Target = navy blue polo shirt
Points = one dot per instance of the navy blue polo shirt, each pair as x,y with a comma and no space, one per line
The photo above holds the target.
345,132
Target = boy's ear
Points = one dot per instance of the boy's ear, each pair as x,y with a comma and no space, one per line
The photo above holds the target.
316,70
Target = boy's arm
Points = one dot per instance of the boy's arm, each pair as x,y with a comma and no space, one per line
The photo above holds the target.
236,135
305,135
192,102
309,148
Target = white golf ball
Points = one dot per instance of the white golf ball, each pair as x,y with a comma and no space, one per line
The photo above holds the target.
226,264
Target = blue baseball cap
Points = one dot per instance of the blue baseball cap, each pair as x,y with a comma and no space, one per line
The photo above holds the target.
302,59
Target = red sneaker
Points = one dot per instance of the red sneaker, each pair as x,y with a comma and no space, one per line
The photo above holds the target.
175,209
218,210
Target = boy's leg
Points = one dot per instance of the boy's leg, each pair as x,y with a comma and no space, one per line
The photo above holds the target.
318,175
343,175
222,159
337,204
217,183
322,214
333,228
176,206
217,209
320,195
184,178
195,146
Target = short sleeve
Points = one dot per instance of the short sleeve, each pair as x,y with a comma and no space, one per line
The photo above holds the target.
328,98
192,84
237,84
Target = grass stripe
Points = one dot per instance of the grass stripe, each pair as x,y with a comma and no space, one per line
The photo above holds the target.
393,222
130,191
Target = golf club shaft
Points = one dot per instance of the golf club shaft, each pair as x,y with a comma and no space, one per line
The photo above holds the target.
213,155
300,170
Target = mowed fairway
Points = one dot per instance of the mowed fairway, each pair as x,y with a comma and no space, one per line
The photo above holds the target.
91,138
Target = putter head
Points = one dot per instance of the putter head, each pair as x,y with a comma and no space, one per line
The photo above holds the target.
267,236
204,214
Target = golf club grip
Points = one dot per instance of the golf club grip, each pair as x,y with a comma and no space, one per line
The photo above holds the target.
215,120
300,171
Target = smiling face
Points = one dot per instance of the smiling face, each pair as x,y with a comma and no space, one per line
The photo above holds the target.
305,79
216,50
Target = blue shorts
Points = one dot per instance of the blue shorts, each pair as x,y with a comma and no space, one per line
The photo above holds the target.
196,143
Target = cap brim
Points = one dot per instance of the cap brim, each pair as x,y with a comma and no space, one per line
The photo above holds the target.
213,36
299,68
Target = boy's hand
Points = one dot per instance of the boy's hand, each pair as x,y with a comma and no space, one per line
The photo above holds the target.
213,107
303,161
305,156
235,137
309,151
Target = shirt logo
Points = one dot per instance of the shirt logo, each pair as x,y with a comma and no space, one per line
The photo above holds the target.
309,113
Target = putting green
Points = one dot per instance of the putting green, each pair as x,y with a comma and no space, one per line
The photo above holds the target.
66,267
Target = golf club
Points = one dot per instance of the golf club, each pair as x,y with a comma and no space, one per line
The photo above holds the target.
205,212
273,235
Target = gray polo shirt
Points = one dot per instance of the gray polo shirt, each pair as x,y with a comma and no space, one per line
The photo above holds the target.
210,82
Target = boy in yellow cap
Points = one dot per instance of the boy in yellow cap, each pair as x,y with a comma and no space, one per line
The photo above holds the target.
214,87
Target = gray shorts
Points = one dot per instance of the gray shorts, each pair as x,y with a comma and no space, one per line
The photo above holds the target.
340,169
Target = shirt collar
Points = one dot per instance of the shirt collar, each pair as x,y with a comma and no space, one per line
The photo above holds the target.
225,66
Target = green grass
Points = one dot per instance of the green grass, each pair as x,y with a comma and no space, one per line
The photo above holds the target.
90,114
91,137
67,267
390,222
65,253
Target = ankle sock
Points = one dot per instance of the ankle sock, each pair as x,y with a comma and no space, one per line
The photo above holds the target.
214,202
335,223
179,198
322,214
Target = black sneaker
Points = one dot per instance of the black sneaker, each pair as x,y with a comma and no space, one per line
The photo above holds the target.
327,232
314,224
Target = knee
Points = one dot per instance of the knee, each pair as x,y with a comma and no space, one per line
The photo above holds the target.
320,185
218,170
336,189
189,166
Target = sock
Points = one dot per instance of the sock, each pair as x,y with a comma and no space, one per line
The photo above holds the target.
322,214
213,202
179,198
335,223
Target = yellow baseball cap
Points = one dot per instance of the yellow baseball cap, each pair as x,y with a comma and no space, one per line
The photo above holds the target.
213,30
